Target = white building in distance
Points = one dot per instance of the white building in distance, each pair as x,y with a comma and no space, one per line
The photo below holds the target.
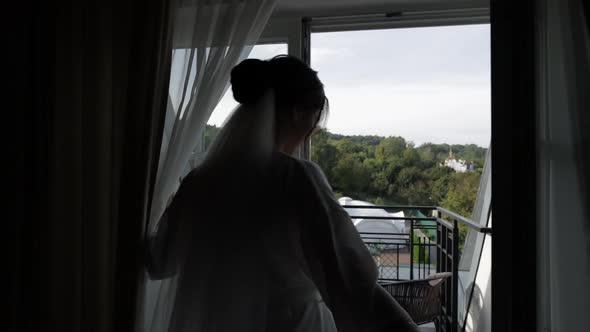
458,165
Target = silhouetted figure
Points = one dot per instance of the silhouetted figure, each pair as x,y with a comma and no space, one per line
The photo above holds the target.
254,239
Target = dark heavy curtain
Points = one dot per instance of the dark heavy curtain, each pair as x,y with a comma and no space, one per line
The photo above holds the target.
513,172
95,79
565,246
580,13
580,95
540,136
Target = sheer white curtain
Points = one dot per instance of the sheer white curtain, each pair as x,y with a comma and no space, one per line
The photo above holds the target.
475,261
210,37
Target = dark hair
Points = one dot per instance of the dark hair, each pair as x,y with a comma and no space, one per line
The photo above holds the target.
294,83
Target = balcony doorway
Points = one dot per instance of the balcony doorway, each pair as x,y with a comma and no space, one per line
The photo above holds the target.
406,141
409,114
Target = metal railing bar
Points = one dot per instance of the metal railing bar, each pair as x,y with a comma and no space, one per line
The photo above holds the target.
397,270
455,280
429,255
412,251
464,220
468,222
446,250
395,218
383,234
399,237
391,207
445,223
375,237
404,243
393,244
369,237
394,237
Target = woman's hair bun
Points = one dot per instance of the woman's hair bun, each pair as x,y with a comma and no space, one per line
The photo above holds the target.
249,79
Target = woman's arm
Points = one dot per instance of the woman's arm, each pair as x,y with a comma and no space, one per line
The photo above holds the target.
159,260
343,267
164,245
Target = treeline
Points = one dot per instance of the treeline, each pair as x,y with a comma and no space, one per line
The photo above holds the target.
391,170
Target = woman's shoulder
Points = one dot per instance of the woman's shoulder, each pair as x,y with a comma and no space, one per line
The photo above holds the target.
305,170
301,164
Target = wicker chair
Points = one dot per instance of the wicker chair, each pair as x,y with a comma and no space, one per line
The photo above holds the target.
420,298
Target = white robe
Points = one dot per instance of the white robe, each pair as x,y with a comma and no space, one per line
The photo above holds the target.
266,251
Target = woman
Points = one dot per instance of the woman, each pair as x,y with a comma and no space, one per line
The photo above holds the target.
254,239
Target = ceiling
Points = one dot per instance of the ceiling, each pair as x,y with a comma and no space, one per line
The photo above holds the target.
317,8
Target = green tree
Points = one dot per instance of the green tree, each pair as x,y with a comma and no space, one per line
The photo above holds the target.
351,177
427,152
438,179
411,158
390,147
461,194
347,145
411,186
392,170
460,198
324,153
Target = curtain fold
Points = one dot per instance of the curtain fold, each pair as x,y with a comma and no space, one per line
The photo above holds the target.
564,252
514,173
98,73
580,13
210,37
144,79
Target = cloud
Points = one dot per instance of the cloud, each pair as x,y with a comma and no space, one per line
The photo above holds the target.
425,84
323,55
420,113
267,51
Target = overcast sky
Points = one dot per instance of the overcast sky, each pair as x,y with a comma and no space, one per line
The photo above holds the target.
424,84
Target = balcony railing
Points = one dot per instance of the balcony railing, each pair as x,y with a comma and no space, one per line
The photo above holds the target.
430,244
